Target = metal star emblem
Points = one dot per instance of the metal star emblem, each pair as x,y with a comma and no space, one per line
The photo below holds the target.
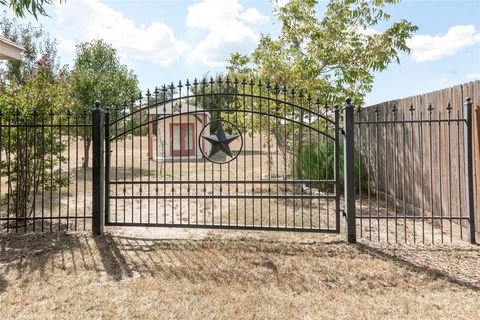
220,141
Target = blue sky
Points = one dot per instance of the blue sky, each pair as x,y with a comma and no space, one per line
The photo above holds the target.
166,40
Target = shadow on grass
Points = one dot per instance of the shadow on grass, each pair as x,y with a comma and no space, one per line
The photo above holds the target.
235,260
33,253
418,268
112,258
218,260
3,284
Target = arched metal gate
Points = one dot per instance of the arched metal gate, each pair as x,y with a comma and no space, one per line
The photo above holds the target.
223,154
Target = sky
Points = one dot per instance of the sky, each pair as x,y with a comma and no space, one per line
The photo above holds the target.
166,40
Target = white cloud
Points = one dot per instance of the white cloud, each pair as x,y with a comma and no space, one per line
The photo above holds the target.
226,22
432,48
473,75
367,31
84,20
281,3
252,15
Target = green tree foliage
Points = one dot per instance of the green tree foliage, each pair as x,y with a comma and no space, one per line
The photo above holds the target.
98,74
332,57
32,91
37,48
34,7
323,58
213,95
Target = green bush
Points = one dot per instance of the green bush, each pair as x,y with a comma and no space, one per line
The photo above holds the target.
316,162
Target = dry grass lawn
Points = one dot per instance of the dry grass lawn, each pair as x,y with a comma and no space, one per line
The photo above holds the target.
167,274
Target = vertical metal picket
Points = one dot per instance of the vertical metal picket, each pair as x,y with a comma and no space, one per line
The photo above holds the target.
336,170
349,174
98,191
107,164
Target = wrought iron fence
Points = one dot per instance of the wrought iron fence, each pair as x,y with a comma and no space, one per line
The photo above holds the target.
45,179
406,174
416,183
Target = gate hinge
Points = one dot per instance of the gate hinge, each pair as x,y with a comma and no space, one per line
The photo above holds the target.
344,213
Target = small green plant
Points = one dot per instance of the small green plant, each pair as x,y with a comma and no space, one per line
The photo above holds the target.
317,162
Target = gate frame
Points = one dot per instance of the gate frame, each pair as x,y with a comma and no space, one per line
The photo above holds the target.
101,175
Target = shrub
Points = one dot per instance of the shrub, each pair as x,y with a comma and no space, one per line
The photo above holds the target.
316,162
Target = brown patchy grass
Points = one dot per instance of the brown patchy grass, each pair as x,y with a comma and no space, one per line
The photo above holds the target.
166,274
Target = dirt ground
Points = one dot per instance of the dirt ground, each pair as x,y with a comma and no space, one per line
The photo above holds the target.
139,273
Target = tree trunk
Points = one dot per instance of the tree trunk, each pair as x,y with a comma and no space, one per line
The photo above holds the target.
86,147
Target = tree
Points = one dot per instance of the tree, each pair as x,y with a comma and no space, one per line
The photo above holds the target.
332,57
99,75
328,58
214,95
32,91
34,7
37,47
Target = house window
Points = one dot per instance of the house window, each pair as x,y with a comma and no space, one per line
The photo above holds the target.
182,139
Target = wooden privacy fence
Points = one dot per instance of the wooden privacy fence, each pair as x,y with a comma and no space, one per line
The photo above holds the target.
412,165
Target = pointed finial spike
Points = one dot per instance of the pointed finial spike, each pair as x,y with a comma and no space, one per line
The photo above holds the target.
430,108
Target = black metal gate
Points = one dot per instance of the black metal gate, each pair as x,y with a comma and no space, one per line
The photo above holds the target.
223,154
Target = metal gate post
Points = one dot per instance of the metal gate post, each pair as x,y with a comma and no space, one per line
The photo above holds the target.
468,157
349,172
98,190
107,164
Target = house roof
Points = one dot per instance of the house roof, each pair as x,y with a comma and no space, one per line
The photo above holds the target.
9,50
175,106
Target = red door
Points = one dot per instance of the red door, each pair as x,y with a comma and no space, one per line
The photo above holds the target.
182,139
